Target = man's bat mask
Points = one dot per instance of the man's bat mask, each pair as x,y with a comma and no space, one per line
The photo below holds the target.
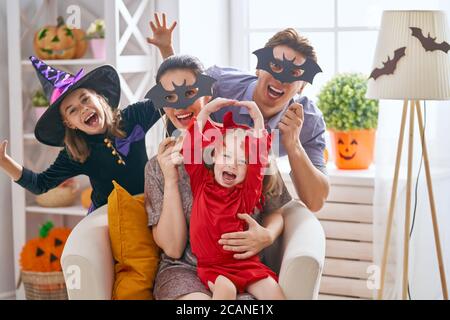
182,96
286,70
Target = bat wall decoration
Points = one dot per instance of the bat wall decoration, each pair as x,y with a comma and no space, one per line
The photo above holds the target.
390,65
429,43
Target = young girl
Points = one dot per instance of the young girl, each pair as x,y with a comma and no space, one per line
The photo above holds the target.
97,139
231,186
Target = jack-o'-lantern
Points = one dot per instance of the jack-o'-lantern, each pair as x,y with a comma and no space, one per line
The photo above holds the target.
353,149
86,198
55,42
81,43
43,254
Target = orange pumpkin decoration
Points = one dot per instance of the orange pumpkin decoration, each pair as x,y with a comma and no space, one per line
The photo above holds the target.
81,43
353,149
86,198
43,254
55,42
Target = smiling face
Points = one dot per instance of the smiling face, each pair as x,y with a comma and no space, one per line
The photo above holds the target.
83,110
270,94
181,117
347,148
230,163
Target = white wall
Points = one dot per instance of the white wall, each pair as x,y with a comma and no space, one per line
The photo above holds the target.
204,30
6,237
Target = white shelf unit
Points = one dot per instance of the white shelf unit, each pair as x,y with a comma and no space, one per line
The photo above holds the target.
126,23
347,218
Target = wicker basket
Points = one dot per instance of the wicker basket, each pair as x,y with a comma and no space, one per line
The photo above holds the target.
58,197
44,285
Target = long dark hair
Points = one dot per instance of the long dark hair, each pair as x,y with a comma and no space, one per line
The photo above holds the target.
182,61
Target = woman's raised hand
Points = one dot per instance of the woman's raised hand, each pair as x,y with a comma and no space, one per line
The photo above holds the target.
169,157
162,35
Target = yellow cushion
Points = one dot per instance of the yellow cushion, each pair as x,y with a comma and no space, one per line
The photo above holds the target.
134,250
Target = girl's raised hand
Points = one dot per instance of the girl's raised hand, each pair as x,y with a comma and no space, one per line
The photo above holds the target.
3,147
162,35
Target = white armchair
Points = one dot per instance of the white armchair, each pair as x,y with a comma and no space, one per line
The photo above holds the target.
298,256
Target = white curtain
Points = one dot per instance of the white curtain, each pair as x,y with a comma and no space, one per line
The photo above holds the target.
424,280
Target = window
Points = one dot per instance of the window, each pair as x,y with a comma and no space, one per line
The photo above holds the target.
343,32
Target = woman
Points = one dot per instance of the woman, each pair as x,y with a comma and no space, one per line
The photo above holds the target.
169,198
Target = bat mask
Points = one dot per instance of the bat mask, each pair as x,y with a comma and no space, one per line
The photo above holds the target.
181,99
286,70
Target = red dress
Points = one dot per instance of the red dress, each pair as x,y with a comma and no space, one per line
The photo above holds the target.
215,209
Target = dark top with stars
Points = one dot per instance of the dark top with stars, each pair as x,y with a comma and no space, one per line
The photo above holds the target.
102,166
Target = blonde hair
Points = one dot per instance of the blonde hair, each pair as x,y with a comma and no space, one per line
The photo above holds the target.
75,140
272,183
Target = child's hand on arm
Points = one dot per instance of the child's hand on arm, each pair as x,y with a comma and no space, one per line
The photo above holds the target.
255,114
211,107
162,36
12,168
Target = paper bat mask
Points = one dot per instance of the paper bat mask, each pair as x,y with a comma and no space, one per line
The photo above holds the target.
429,43
182,96
390,65
286,70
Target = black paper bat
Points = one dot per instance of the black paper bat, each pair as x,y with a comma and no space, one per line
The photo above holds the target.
390,65
287,67
159,95
429,43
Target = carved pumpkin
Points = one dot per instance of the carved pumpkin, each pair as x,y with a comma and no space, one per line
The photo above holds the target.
86,198
43,254
55,42
353,149
81,43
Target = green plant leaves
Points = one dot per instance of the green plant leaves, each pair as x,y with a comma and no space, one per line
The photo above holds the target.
343,103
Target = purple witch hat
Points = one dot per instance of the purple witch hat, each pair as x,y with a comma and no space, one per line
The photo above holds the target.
58,84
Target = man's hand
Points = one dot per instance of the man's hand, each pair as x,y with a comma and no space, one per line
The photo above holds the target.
290,126
247,243
162,35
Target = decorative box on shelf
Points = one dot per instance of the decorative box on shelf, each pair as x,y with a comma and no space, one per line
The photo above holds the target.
347,221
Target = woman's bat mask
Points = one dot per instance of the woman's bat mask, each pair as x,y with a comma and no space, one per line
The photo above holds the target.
266,60
202,86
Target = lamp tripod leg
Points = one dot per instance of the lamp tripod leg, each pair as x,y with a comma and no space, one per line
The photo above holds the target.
408,203
432,203
392,201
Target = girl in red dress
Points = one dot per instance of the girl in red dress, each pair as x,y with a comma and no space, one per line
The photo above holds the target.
229,184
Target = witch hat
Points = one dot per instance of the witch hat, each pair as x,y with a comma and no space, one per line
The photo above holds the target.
57,84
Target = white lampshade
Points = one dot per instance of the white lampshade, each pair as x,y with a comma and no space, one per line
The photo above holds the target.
420,74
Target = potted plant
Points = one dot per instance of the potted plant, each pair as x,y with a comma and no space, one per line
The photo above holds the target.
40,103
96,35
351,119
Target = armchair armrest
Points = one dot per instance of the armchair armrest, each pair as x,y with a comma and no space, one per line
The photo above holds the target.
87,260
299,253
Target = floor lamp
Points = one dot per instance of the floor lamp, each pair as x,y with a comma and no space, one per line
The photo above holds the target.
411,63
